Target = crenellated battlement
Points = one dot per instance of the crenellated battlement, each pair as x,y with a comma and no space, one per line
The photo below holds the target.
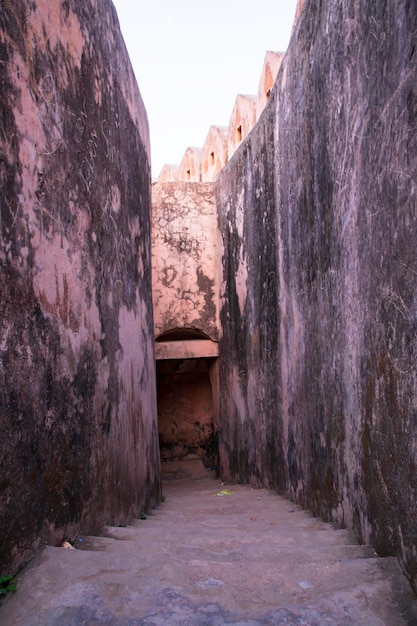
203,164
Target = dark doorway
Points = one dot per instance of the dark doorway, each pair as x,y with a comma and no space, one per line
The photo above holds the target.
187,402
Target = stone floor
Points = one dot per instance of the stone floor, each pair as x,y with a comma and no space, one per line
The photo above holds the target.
246,558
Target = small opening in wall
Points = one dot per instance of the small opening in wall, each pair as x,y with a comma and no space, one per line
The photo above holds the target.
211,158
188,174
268,93
239,133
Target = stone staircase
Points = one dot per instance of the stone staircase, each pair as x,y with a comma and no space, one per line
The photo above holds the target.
248,558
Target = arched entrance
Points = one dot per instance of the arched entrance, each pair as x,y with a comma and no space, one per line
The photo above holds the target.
187,374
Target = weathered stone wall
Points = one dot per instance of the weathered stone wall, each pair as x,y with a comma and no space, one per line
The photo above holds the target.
317,210
78,440
249,428
184,257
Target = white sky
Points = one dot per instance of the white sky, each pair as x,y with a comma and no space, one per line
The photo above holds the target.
193,57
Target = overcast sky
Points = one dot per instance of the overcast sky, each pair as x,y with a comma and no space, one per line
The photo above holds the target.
193,57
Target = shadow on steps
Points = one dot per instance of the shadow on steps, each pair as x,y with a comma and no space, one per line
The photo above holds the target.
189,468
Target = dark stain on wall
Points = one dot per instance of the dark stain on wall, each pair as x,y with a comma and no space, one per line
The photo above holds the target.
206,286
331,416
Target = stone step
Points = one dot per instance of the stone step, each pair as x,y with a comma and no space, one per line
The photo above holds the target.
250,558
139,542
279,540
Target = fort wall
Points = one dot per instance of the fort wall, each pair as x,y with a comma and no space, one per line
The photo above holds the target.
79,442
317,214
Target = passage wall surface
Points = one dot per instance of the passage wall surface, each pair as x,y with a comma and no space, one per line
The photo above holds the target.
78,440
317,212
184,257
